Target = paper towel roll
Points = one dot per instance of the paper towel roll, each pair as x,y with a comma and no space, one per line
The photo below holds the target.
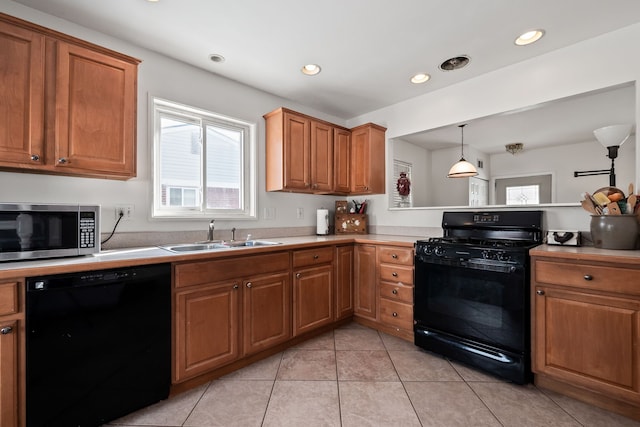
322,221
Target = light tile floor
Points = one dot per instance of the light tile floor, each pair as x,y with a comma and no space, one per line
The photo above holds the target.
356,376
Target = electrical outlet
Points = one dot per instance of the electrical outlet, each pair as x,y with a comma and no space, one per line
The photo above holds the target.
300,213
269,213
127,211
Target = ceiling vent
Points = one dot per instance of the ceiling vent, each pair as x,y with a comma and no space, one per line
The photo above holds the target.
455,63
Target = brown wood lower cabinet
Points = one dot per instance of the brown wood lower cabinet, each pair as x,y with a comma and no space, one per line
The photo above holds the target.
266,311
11,350
313,288
365,281
207,328
214,298
586,331
344,281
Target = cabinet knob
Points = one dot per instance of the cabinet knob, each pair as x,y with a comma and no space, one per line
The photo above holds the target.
540,292
6,330
235,286
394,274
62,160
298,275
394,256
35,157
588,277
249,284
394,314
316,256
395,292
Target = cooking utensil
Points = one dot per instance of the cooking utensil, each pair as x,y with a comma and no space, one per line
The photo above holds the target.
614,209
588,206
630,189
631,202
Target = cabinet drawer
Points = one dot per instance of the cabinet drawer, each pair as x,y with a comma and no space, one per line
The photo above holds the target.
195,273
395,255
397,292
312,257
587,276
396,313
396,274
8,298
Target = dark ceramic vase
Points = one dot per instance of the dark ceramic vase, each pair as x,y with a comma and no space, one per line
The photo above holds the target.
614,231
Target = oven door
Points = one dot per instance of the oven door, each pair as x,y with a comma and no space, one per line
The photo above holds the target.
479,300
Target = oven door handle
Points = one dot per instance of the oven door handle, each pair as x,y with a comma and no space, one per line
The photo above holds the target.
498,267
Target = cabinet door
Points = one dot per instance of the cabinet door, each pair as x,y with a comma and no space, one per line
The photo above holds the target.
95,104
321,157
344,281
22,94
312,298
365,281
342,160
266,311
588,340
297,153
9,373
367,159
206,329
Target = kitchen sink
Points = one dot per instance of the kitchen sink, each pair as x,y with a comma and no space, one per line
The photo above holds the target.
194,247
248,243
201,246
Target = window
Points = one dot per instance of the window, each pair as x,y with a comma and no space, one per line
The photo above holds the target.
204,164
523,195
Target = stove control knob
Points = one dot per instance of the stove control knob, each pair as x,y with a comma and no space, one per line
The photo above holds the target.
487,254
503,256
428,250
438,251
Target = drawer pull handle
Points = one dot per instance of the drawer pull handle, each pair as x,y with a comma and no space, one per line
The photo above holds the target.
249,285
394,256
394,314
588,277
540,292
298,275
394,274
395,292
316,257
6,330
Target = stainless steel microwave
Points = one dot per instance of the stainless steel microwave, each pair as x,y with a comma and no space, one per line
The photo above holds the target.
31,231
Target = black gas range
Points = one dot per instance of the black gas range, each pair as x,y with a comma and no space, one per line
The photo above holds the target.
472,290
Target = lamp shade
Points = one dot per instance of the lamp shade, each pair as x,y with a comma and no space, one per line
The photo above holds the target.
614,135
462,169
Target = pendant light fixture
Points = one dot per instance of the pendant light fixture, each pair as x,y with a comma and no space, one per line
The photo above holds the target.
462,169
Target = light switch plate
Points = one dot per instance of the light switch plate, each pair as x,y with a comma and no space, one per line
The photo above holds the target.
563,237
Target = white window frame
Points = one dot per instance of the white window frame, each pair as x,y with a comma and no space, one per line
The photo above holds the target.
248,185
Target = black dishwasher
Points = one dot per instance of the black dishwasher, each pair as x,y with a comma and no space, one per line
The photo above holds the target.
98,344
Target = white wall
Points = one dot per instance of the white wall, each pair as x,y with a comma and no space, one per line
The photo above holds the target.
573,70
176,81
417,156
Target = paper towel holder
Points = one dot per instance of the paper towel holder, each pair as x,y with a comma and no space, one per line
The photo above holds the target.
322,222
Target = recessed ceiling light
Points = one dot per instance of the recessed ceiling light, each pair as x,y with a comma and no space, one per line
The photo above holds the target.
455,63
529,37
214,57
420,78
311,69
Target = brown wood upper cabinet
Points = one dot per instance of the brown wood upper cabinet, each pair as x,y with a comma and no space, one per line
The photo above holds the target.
307,155
70,106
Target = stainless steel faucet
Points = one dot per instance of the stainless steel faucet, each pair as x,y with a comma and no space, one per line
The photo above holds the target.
233,234
210,232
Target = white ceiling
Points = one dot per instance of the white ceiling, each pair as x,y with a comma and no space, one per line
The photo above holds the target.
368,49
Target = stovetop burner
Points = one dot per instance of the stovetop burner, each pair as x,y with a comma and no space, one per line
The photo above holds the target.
486,243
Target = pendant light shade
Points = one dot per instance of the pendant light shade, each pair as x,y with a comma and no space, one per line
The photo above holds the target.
462,169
